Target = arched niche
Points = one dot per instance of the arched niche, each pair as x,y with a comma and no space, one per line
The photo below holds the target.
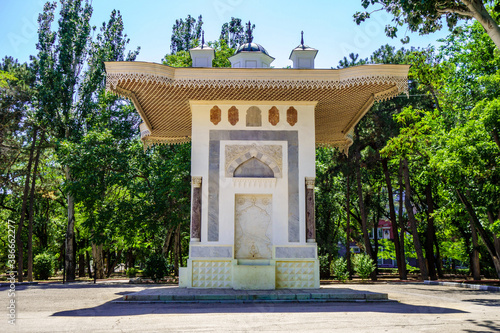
237,155
254,117
253,168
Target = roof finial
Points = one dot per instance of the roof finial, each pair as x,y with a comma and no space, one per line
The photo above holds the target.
302,37
202,38
249,32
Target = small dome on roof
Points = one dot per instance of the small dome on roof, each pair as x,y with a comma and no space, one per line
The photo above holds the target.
251,47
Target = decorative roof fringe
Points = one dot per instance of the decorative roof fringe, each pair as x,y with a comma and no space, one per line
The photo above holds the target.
149,142
400,86
343,146
112,80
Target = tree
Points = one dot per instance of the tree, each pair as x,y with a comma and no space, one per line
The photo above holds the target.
185,33
426,17
183,58
70,75
234,34
4,76
19,130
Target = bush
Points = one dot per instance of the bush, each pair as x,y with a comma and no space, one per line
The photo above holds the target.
43,266
412,270
363,265
156,266
338,269
324,267
132,272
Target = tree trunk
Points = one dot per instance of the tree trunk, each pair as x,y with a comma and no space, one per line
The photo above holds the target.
429,239
168,242
490,245
392,214
413,222
348,228
375,241
31,212
81,265
87,259
496,240
112,266
19,238
176,251
496,138
98,261
364,222
364,219
107,261
179,245
439,262
475,268
70,235
364,227
44,235
479,12
130,258
401,222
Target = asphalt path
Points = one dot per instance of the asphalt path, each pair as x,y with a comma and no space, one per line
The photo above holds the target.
82,307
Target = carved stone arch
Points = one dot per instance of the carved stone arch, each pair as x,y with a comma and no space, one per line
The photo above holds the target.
253,168
258,155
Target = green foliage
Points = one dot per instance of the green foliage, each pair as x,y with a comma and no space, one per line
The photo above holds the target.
186,34
132,272
426,17
131,199
178,59
352,61
43,265
338,268
233,33
412,270
5,77
324,266
156,266
389,250
224,48
363,265
222,53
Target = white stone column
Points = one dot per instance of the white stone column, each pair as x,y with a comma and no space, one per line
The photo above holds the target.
196,210
310,220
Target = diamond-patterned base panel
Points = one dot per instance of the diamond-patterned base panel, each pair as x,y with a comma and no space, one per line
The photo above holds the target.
212,274
294,274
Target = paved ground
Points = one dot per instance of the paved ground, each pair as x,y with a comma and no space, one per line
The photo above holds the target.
91,308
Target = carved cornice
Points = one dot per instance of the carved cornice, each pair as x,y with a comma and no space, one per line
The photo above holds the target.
196,181
254,182
310,181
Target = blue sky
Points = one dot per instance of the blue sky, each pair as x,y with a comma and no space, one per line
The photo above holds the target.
328,26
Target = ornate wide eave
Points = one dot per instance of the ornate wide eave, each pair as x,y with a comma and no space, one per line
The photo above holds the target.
161,94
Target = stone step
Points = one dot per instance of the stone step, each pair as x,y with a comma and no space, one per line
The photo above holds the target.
184,295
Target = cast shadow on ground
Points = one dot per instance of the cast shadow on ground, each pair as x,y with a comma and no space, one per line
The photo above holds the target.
114,308
458,290
488,325
83,285
484,302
